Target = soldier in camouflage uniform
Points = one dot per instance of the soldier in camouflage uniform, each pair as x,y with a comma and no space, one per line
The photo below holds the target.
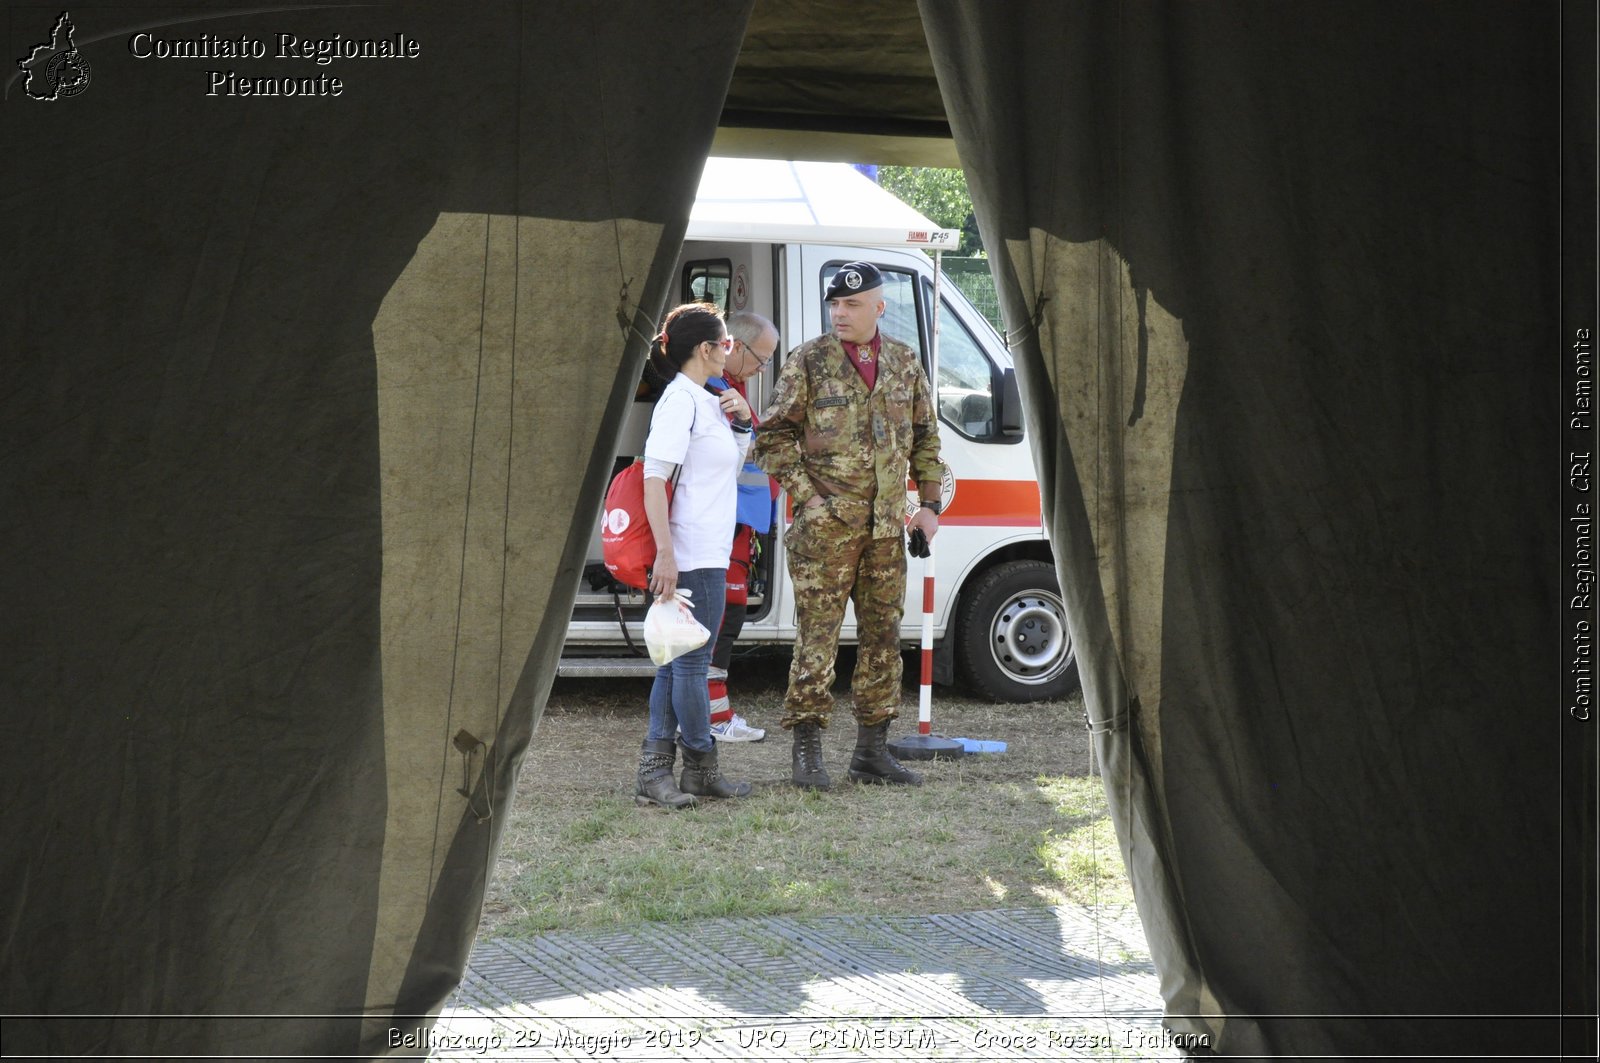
851,415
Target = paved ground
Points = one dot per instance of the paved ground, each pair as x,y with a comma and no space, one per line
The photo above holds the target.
1044,983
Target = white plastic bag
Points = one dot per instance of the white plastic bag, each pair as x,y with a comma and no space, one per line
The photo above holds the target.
670,629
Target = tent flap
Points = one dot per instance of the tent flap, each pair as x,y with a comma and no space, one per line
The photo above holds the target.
297,393
1280,329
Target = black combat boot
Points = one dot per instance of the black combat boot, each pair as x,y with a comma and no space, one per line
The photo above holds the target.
808,770
655,776
703,778
872,761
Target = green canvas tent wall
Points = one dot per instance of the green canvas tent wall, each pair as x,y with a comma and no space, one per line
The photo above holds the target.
307,401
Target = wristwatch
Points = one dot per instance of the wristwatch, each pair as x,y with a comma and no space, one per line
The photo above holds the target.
930,504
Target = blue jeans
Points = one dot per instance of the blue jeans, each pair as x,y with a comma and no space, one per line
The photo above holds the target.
678,700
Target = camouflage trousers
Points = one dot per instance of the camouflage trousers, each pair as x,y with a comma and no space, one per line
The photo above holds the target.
832,561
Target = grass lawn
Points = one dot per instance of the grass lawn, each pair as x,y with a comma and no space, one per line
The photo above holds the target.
1027,827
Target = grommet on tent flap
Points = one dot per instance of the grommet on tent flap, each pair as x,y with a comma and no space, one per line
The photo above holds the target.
628,313
470,745
1013,338
624,319
1117,722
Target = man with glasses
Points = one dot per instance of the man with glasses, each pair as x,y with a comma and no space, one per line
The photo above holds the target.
755,343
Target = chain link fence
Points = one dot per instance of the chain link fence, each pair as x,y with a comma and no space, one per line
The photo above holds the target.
972,276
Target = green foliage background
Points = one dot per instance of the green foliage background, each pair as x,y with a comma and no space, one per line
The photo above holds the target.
941,194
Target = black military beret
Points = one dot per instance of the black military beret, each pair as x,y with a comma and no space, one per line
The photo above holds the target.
854,277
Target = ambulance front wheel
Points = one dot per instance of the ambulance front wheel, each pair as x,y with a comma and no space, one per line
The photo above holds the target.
1012,641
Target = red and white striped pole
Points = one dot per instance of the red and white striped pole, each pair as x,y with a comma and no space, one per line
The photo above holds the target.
924,746
925,693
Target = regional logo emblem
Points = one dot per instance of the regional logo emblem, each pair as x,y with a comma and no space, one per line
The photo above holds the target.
55,69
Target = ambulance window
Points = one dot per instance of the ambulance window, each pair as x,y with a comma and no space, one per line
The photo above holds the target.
708,281
966,379
900,309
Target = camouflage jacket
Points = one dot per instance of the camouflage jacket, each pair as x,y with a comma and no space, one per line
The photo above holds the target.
825,433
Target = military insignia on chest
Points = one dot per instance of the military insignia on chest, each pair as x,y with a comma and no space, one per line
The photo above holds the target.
831,400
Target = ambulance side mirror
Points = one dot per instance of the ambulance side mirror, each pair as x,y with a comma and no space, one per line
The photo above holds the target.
1009,414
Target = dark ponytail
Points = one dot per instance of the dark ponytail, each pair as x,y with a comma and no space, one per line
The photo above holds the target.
686,327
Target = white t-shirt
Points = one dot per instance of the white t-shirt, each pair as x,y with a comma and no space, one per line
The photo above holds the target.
688,428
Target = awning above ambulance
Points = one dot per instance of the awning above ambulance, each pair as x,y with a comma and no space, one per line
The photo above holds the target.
810,202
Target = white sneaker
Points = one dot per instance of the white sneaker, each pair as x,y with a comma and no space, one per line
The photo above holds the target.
737,730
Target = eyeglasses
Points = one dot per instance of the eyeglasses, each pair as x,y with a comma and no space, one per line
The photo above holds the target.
726,343
762,362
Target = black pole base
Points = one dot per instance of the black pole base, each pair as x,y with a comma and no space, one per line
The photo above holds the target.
925,747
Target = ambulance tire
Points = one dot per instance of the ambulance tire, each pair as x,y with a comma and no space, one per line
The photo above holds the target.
1012,641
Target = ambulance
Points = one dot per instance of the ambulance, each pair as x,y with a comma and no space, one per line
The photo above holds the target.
767,236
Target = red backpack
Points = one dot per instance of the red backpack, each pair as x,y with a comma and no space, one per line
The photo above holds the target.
627,544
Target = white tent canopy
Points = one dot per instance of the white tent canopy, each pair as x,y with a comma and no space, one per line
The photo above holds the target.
814,202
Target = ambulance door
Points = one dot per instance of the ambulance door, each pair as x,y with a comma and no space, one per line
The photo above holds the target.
740,277
1001,613
811,267
734,276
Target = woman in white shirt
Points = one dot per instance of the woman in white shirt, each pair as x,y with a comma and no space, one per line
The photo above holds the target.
704,435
